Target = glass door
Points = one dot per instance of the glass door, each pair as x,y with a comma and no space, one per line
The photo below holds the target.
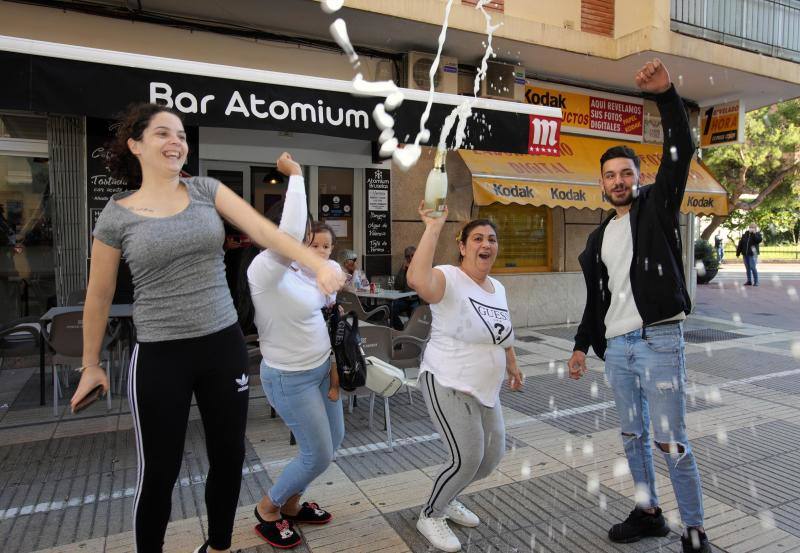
335,205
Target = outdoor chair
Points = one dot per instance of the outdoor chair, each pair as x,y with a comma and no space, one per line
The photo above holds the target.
377,341
18,338
350,302
418,326
64,339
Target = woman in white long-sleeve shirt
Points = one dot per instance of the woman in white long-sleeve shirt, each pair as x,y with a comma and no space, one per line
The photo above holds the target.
295,370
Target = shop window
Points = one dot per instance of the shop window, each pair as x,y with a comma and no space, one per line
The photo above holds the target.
524,235
27,283
23,126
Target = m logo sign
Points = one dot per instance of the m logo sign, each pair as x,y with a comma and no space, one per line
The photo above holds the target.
544,136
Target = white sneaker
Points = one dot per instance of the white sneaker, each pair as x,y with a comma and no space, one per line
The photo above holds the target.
461,515
438,533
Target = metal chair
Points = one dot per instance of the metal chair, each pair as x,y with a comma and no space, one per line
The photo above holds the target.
64,338
350,302
418,326
378,341
18,338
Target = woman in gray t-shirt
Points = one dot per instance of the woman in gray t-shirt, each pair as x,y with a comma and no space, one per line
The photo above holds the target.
170,232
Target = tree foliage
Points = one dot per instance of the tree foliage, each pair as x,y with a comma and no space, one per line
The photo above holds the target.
766,165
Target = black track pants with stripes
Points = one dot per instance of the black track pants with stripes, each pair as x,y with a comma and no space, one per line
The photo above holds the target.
473,434
163,377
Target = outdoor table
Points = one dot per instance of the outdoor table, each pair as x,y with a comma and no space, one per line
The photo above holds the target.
117,311
386,295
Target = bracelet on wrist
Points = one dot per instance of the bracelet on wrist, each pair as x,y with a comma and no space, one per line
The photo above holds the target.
88,365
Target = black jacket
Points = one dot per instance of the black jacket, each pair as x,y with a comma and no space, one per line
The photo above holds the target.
748,244
657,277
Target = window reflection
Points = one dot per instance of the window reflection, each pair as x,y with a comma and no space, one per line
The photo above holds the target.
26,237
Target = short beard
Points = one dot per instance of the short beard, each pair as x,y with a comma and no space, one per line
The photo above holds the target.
628,200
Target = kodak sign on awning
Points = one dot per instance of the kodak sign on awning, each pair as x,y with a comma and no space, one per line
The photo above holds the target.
571,180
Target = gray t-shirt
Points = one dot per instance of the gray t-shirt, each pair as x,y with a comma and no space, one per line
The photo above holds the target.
177,265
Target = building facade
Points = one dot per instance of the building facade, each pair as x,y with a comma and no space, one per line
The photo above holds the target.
252,84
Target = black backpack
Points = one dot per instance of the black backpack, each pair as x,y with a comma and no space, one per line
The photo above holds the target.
346,344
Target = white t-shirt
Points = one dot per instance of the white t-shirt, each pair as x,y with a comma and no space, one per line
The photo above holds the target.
291,329
470,332
617,254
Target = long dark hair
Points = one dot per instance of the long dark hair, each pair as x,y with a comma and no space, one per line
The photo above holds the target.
131,124
469,227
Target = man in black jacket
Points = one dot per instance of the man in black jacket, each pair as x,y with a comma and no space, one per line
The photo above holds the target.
636,300
749,250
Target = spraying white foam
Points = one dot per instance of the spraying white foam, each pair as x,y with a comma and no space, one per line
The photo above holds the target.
331,6
338,31
463,112
374,87
393,100
382,119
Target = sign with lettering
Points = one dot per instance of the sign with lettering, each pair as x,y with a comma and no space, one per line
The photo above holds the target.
335,205
379,231
45,84
590,112
722,124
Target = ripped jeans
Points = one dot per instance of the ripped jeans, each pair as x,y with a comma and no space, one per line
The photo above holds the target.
648,377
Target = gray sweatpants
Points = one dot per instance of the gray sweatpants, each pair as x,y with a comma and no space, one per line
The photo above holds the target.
474,434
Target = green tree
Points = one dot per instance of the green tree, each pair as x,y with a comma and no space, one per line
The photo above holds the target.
767,164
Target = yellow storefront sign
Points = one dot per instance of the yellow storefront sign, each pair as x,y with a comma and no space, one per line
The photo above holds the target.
589,112
571,180
722,124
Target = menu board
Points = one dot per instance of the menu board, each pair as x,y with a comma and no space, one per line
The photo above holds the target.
100,185
379,232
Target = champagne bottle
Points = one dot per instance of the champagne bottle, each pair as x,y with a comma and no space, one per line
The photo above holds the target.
436,185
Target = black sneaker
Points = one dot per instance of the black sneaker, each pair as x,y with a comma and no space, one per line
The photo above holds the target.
309,513
279,533
638,525
748,283
695,541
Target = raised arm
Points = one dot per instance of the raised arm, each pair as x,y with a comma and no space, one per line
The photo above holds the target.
263,232
428,282
678,149
99,294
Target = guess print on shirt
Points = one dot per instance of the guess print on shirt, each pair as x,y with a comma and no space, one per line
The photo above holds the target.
497,320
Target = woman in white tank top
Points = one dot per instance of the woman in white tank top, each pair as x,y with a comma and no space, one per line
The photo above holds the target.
469,353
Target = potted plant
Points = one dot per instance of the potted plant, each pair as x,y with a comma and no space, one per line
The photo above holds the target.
705,260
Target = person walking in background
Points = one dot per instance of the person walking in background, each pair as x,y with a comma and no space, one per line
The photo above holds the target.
295,370
749,250
636,300
189,343
403,306
719,246
462,369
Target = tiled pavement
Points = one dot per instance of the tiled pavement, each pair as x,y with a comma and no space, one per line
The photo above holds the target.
67,483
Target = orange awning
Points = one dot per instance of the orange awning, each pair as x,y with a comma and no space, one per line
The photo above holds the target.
571,180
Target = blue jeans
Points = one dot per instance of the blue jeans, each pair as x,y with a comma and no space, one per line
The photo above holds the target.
648,377
750,266
301,399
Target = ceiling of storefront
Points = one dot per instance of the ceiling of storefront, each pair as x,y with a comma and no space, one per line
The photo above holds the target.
699,81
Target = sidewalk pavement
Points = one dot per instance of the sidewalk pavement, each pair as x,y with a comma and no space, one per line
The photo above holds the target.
67,483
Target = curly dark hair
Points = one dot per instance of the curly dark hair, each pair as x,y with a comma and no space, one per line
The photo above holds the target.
131,124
